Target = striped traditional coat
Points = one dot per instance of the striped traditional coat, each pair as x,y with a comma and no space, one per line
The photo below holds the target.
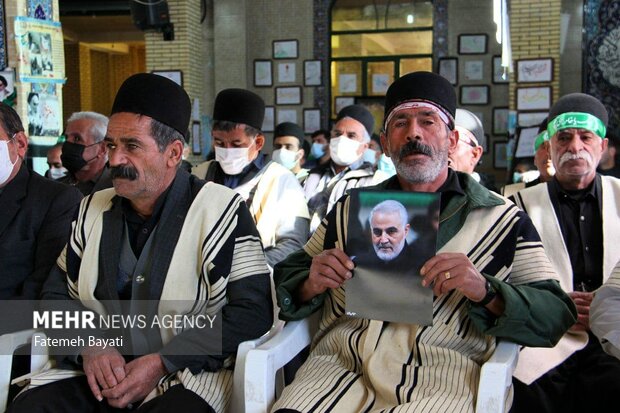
367,365
207,257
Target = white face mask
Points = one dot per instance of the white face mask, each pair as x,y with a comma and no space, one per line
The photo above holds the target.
57,173
232,160
284,157
343,150
6,166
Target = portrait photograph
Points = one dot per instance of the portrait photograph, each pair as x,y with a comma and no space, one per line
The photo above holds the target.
390,236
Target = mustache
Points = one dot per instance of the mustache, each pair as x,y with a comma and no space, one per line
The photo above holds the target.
413,147
582,154
123,172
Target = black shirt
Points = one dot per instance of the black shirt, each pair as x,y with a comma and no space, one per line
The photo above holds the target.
139,229
579,215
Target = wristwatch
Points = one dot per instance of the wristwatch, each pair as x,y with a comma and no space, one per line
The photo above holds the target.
490,295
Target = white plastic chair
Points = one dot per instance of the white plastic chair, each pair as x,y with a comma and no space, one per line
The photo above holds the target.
10,342
263,363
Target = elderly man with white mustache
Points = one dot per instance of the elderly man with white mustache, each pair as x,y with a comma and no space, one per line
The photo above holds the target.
577,217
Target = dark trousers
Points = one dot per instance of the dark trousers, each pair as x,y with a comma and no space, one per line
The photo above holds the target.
74,395
588,381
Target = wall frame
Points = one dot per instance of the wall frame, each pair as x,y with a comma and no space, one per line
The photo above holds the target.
263,76
534,98
525,119
448,67
287,115
498,71
534,70
475,95
500,121
500,157
342,102
312,73
288,95
269,122
175,75
285,49
474,70
473,43
312,120
286,72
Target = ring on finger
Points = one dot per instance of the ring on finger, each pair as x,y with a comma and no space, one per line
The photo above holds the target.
447,275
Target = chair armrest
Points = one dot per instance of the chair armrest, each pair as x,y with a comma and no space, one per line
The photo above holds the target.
262,363
496,378
8,344
237,400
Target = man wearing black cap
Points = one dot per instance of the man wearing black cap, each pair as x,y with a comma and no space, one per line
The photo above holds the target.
470,146
164,244
350,137
576,214
271,191
288,149
483,286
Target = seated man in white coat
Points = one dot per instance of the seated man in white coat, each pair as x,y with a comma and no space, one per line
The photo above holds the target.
576,215
605,314
271,191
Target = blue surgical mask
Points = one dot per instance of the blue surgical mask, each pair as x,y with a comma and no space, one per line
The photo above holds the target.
284,157
370,156
317,150
386,165
517,177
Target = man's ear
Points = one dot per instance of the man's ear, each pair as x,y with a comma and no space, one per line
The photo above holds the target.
21,141
174,153
478,150
453,138
260,141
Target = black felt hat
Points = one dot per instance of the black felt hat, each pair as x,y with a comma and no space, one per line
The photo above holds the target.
239,106
425,86
579,102
360,114
289,129
156,97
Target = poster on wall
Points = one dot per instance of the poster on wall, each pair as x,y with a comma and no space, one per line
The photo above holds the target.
8,94
40,50
44,113
40,9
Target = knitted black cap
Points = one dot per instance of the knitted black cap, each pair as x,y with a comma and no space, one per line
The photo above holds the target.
360,114
289,129
579,102
156,97
421,86
239,106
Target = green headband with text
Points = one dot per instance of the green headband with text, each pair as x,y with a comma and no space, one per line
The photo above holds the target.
577,120
540,138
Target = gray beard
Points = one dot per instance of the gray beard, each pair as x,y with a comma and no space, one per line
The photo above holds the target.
420,171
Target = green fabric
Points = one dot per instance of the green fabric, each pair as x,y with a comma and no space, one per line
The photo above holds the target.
577,120
521,303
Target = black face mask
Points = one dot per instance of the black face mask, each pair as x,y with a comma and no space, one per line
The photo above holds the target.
72,156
